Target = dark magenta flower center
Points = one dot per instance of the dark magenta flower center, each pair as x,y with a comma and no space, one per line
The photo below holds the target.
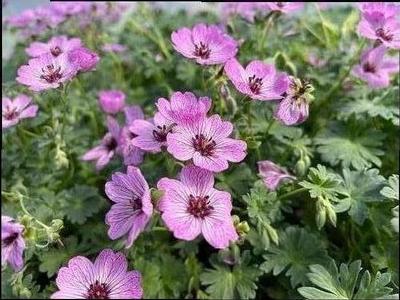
160,135
369,68
202,51
280,4
199,206
384,35
51,74
136,203
111,143
10,239
205,146
255,84
56,51
98,291
10,114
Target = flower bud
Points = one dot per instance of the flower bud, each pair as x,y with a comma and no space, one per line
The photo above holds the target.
320,217
331,215
300,167
112,101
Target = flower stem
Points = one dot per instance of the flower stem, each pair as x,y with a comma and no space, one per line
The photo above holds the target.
21,202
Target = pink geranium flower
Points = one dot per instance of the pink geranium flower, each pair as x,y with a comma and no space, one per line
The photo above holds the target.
285,7
206,44
272,174
14,111
258,80
379,22
375,68
246,10
107,278
83,59
294,108
112,101
183,108
132,210
12,243
103,153
46,72
191,206
207,143
55,46
132,155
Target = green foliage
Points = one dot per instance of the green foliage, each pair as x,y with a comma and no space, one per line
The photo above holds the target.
226,282
297,249
345,283
355,148
392,191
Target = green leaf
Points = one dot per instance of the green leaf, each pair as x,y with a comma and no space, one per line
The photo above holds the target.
392,191
350,148
297,249
361,188
231,283
344,283
80,202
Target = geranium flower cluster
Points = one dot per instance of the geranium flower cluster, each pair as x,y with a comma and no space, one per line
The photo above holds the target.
34,22
54,63
379,23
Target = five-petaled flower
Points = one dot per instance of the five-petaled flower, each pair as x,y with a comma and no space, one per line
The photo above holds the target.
107,278
14,111
55,46
132,208
258,80
207,44
207,143
191,206
46,72
375,68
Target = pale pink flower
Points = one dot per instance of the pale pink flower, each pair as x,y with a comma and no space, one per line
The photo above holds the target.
375,68
132,208
46,72
258,80
191,206
14,111
116,48
107,278
207,143
55,46
285,7
272,174
206,44
83,59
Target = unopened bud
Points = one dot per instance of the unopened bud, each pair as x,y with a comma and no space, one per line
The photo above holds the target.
331,215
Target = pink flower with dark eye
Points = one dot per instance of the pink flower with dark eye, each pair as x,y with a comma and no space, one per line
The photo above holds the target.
132,210
258,80
294,108
285,7
207,143
12,243
207,44
272,174
184,107
103,153
375,68
83,59
132,155
14,111
55,46
112,101
116,48
191,206
379,22
46,72
107,278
